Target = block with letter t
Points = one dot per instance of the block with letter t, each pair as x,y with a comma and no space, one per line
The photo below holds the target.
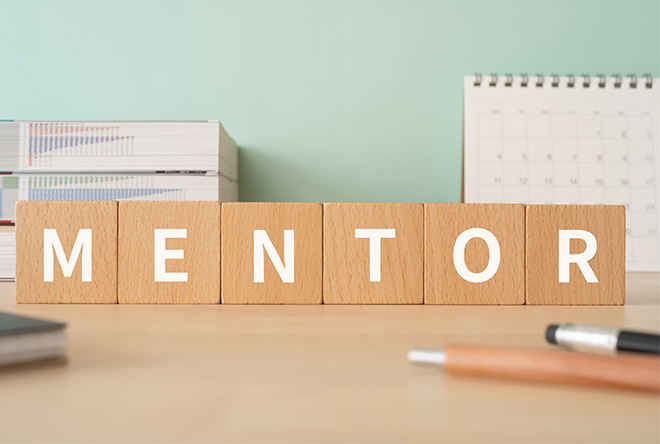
169,252
575,254
373,253
66,252
272,253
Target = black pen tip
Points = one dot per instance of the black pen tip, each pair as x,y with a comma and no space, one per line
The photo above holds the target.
550,333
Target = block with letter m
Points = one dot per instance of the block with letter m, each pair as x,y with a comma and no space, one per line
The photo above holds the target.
66,252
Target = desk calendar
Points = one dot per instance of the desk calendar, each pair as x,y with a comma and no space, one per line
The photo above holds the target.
567,140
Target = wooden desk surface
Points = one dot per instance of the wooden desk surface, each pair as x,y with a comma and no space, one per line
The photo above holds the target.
310,374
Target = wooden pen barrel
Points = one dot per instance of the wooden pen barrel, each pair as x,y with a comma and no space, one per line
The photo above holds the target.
632,372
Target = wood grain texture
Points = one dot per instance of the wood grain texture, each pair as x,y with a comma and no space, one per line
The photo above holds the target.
240,220
32,217
607,223
346,260
310,373
201,252
637,372
443,223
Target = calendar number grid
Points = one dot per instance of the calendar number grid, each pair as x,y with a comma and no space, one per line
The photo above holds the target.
573,158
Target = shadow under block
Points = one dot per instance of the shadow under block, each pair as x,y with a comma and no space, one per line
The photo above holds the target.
159,263
257,238
86,232
503,282
393,274
606,224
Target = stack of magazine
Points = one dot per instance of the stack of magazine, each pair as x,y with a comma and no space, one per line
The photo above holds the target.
113,160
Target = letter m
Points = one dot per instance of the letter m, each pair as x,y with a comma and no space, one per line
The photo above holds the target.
83,243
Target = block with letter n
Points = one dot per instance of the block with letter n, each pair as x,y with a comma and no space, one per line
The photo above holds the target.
66,252
272,253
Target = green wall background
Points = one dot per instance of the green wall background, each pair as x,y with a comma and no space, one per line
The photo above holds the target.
329,100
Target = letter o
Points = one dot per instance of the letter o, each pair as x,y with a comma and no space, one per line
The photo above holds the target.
493,260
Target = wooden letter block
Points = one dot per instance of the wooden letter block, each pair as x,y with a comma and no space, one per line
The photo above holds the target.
373,253
169,252
66,252
576,255
475,254
272,253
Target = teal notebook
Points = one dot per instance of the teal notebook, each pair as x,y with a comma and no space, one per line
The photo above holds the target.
24,339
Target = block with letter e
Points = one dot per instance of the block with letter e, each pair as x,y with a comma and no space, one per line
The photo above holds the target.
272,253
373,253
475,254
66,252
169,252
575,254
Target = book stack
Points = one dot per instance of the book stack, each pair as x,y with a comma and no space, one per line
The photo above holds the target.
7,245
114,160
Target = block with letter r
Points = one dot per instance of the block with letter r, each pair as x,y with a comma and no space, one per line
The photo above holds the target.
66,252
575,255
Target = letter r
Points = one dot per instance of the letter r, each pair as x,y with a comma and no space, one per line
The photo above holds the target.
581,259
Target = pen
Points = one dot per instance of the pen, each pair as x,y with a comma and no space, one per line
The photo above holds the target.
598,339
631,372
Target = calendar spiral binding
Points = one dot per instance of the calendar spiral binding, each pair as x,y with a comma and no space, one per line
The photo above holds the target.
631,81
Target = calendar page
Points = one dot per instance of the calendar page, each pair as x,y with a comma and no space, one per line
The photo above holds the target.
562,140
